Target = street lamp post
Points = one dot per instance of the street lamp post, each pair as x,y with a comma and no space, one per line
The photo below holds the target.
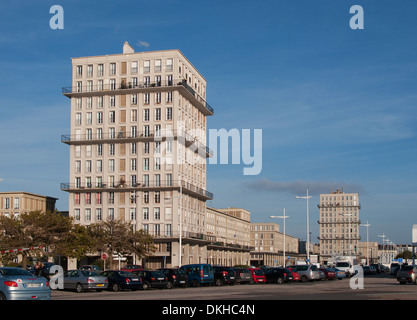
382,236
367,225
308,228
282,217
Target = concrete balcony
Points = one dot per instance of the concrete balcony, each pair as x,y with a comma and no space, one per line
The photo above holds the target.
127,88
123,186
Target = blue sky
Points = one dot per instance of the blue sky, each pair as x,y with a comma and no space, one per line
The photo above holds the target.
337,106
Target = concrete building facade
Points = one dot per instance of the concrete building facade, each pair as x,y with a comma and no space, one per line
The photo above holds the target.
138,148
339,224
13,204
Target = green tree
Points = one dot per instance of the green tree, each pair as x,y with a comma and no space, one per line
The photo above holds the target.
117,237
405,255
34,229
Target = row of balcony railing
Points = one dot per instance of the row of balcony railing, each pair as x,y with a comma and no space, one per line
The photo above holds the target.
135,186
157,135
109,87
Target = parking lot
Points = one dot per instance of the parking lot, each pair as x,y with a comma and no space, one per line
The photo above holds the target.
375,287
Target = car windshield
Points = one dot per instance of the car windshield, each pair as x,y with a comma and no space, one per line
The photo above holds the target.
126,274
89,273
15,272
258,272
342,264
407,268
314,268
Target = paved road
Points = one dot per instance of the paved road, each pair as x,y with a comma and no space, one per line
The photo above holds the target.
376,287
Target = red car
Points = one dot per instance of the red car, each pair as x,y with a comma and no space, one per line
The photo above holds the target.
132,267
258,275
295,275
329,273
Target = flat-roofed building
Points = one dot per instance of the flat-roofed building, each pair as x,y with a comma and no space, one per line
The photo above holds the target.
228,231
268,244
138,148
339,224
13,204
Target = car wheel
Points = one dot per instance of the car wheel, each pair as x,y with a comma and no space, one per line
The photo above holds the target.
252,281
280,281
219,282
115,287
146,286
304,279
170,285
79,288
2,296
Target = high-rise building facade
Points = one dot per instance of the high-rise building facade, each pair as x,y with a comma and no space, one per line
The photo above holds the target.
138,147
339,224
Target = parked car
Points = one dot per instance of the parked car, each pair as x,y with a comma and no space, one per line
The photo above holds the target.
394,268
224,275
295,275
307,272
339,273
175,276
198,274
372,269
153,279
366,270
407,274
132,267
19,284
243,275
377,266
80,280
258,276
278,275
322,275
119,280
330,274
91,267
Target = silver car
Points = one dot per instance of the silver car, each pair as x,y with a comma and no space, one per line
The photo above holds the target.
306,272
19,284
81,280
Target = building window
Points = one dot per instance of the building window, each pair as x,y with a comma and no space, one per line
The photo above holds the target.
100,70
169,65
145,213
79,71
146,197
77,214
147,66
157,213
87,214
134,67
157,197
158,114
111,213
112,68
98,214
16,203
158,67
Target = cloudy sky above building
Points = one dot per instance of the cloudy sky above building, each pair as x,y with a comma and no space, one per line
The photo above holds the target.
337,107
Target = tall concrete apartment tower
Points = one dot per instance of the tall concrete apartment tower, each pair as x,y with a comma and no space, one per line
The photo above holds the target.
339,224
138,148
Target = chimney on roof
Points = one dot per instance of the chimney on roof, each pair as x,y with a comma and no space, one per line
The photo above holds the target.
127,48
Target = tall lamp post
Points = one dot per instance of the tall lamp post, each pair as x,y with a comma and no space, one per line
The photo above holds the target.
308,227
382,236
282,217
367,225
